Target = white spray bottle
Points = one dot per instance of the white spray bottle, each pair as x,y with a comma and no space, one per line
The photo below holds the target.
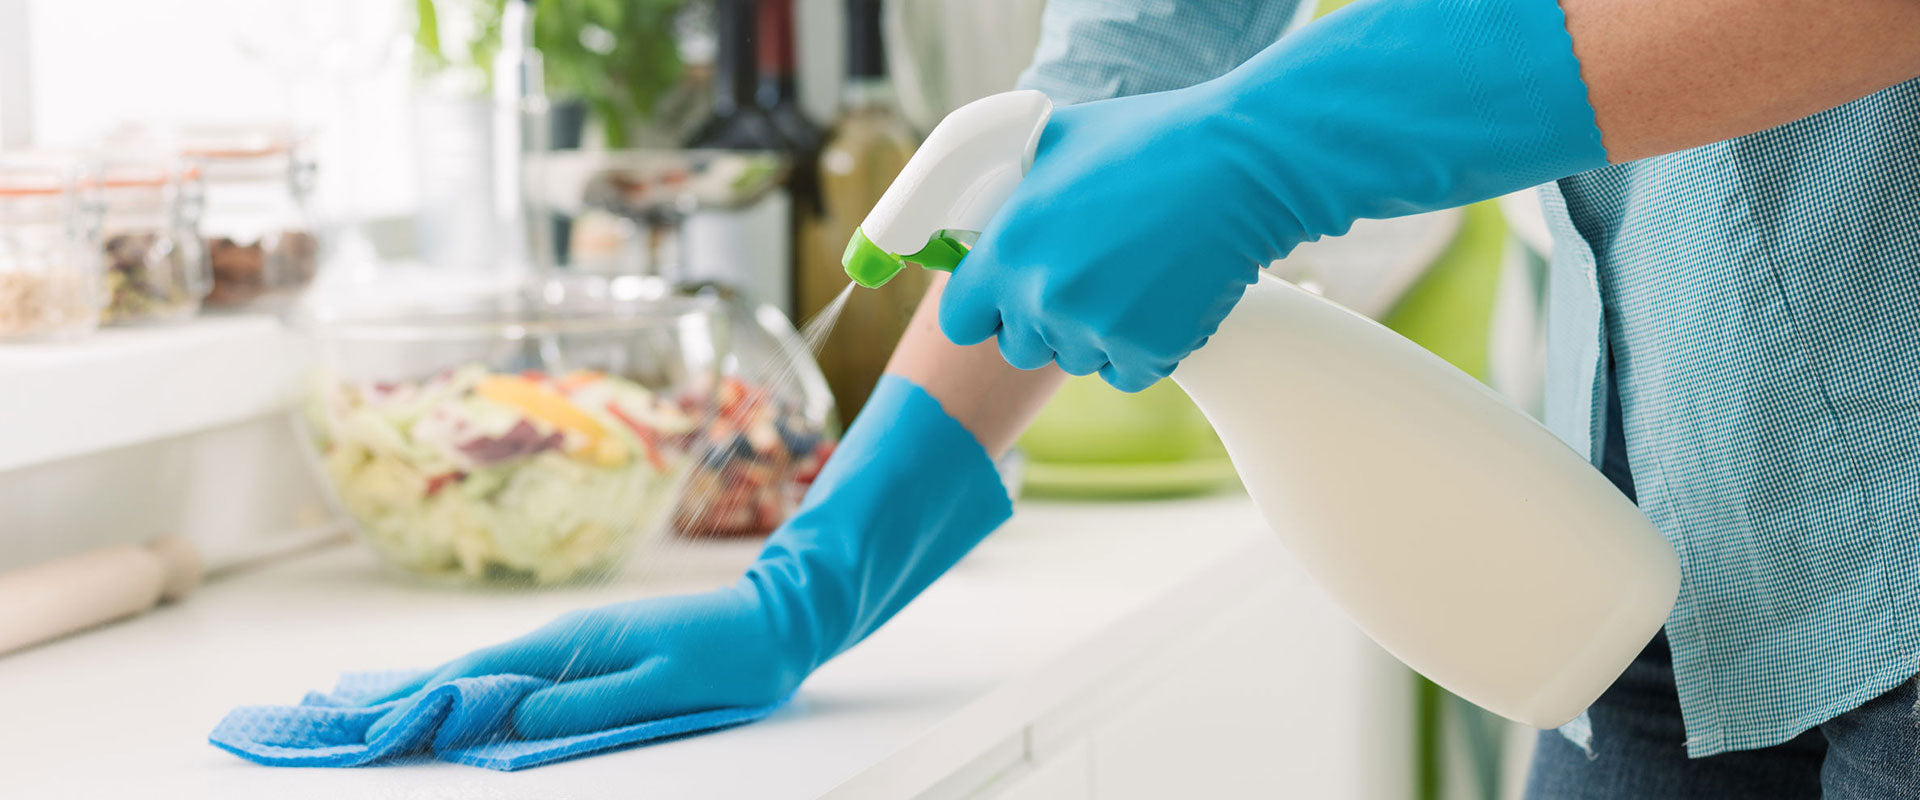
1457,532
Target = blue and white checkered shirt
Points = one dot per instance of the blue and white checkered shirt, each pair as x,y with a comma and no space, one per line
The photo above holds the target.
1756,304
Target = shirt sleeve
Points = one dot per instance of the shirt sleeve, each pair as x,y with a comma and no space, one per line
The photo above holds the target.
1097,49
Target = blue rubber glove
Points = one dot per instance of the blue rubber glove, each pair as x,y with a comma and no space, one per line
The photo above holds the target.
905,495
1144,218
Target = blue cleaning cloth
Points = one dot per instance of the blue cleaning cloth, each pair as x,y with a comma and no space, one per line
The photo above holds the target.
464,721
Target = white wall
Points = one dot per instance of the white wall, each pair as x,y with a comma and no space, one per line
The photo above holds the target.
338,66
14,97
79,68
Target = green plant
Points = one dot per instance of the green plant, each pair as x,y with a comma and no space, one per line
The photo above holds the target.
619,56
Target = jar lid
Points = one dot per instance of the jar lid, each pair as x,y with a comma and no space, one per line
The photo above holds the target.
237,142
143,175
38,174
12,188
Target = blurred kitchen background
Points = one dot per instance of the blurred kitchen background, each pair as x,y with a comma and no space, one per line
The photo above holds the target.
205,204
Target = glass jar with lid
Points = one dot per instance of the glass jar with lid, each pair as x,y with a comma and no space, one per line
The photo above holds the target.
49,261
256,223
154,267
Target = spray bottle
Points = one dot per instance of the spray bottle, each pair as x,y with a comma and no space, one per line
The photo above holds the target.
1458,533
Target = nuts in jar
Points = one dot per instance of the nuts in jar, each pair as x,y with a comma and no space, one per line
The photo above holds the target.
255,223
153,267
49,272
143,275
44,304
246,271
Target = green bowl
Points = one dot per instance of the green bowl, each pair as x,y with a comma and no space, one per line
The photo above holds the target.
1095,441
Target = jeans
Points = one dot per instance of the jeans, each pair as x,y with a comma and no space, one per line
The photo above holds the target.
1869,753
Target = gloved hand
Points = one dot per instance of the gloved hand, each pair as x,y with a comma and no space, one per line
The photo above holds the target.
634,662
881,522
1144,218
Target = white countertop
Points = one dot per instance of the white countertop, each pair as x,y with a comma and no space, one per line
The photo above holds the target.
959,683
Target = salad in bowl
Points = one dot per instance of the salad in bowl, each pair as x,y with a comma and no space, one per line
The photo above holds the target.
524,449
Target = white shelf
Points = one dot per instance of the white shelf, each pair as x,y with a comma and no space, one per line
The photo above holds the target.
122,387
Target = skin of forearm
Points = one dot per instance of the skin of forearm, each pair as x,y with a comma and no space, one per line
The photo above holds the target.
1667,75
992,400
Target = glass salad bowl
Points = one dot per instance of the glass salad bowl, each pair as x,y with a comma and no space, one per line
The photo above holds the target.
536,438
766,430
772,426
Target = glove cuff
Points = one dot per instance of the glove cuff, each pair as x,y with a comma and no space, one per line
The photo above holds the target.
906,494
1393,107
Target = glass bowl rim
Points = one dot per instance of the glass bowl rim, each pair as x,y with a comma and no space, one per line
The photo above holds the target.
457,322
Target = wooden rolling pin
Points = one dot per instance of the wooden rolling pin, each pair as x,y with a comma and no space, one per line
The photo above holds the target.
50,600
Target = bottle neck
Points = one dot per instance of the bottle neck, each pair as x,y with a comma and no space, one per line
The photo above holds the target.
868,93
773,51
733,65
777,90
866,50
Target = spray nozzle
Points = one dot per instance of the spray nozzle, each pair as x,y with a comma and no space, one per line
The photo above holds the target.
950,189
870,266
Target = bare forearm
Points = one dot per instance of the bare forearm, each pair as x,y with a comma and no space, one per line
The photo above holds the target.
1665,75
974,384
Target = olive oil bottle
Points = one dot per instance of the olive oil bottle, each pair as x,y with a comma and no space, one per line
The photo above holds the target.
867,146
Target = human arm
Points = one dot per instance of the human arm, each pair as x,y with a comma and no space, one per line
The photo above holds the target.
1144,218
909,491
992,400
1665,76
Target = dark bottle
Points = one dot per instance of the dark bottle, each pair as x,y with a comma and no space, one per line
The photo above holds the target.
779,96
738,121
778,92
748,249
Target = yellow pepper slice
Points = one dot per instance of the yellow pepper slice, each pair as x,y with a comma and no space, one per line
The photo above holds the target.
544,404
578,378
